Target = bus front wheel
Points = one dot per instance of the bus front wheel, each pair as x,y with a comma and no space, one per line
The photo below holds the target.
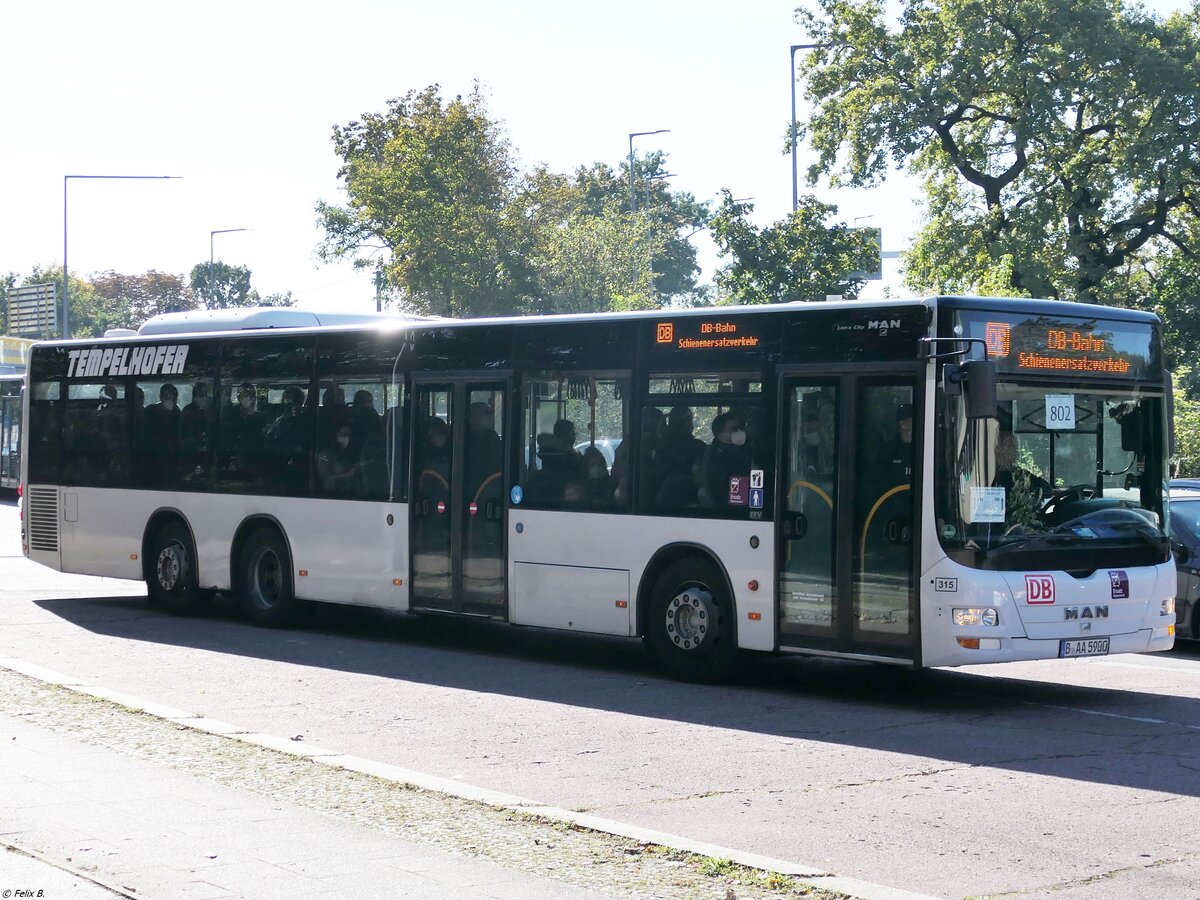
265,580
171,581
689,624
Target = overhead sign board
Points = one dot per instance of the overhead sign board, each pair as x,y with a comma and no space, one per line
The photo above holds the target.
33,310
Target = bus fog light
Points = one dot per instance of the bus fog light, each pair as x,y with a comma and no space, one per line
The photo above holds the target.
976,616
1168,607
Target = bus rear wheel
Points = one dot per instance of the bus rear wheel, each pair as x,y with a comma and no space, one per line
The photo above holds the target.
265,580
171,582
690,629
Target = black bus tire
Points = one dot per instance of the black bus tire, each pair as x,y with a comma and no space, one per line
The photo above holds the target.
171,582
264,586
690,630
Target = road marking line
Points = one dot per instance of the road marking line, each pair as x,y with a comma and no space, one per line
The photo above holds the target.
1144,720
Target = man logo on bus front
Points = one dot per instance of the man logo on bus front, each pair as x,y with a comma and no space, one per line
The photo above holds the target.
1039,589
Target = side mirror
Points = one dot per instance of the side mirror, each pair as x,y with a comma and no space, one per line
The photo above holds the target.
975,379
1180,552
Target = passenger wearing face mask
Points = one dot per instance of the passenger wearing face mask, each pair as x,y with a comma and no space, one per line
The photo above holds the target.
599,483
725,457
337,468
160,437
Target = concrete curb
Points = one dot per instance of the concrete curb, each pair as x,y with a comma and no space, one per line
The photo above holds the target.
814,875
6,845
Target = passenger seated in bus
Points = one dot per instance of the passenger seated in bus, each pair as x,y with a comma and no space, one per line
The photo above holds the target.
679,456
286,441
561,463
242,433
433,458
620,473
725,457
599,482
365,420
680,448
337,468
333,415
650,466
896,453
195,426
485,450
160,437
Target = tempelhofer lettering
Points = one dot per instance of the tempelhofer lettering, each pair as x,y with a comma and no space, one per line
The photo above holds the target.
163,359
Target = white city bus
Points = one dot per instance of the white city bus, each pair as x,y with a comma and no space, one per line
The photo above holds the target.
10,431
938,482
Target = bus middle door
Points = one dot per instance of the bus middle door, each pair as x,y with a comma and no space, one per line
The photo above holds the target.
459,559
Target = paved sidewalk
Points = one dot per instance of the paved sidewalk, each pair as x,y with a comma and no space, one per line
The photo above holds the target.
122,826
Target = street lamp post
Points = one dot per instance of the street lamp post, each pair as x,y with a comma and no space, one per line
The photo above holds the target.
792,76
212,288
632,192
66,308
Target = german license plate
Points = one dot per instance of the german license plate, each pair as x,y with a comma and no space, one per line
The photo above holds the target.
1082,647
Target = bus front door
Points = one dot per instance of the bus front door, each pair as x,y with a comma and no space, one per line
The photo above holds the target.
847,515
457,508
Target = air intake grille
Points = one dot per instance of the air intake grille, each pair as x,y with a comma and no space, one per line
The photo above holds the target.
43,519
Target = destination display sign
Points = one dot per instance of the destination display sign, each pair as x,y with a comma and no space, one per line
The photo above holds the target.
704,334
1050,344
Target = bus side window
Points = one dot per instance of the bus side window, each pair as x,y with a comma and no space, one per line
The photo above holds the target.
574,428
701,437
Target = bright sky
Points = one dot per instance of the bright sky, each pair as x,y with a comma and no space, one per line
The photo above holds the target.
240,98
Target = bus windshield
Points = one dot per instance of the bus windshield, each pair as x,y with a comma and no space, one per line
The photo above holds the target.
1068,479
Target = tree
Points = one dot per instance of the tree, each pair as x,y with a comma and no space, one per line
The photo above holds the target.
674,216
1060,134
798,258
598,262
229,288
132,299
585,254
431,185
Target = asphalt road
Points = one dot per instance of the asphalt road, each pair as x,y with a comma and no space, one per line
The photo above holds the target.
1074,778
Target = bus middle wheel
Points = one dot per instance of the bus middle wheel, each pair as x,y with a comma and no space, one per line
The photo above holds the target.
689,624
171,580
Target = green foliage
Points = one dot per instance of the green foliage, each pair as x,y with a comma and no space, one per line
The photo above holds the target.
1057,137
436,204
672,216
230,287
431,184
135,298
587,254
801,257
1187,428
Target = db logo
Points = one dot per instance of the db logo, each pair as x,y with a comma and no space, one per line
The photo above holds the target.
1039,589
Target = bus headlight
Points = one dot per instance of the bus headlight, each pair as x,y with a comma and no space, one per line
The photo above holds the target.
1168,607
976,616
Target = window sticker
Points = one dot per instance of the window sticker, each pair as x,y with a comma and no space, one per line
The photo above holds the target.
1060,412
987,504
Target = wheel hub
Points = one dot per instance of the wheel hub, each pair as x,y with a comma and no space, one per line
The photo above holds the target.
689,618
169,566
